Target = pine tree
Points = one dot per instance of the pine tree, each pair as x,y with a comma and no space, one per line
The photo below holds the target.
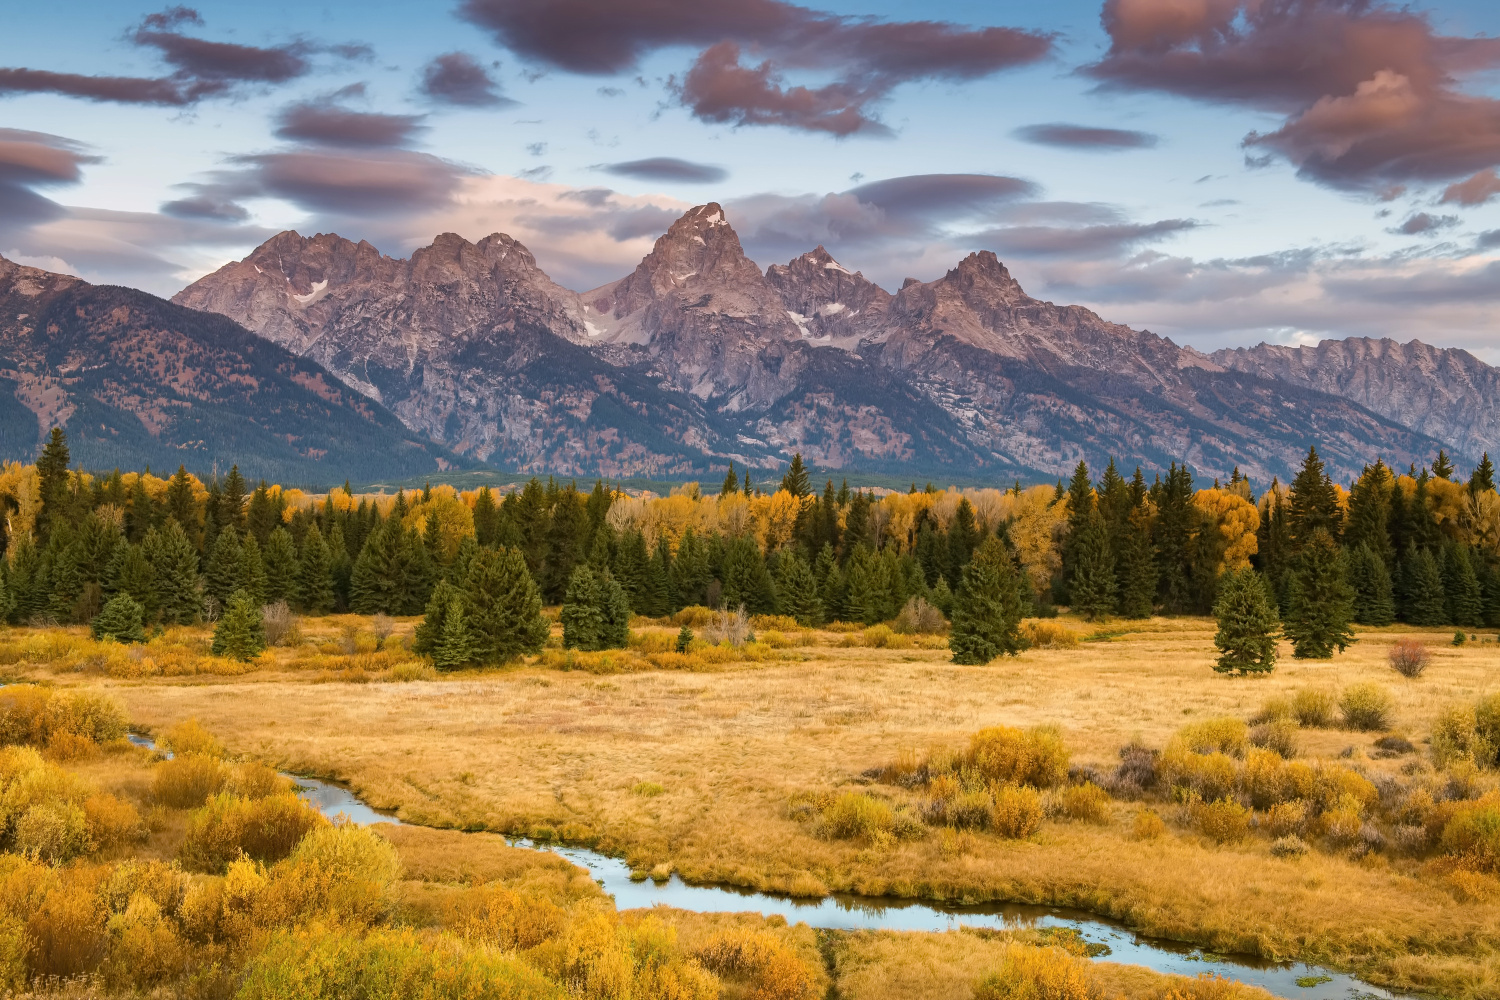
141,515
1442,467
1274,542
582,618
1483,479
252,570
25,581
1248,624
987,610
130,573
731,482
392,574
614,630
1369,517
1320,600
1314,502
1424,601
174,563
1374,601
567,534
690,572
314,585
942,598
963,537
629,569
503,607
180,503
797,591
1173,541
340,566
64,582
444,632
486,517
224,566
659,591
795,481
1092,589
1465,600
857,525
280,563
240,634
864,599
745,579
1136,567
232,501
684,639
119,620
52,475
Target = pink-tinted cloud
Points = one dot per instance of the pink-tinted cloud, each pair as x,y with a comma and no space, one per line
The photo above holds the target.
866,58
1476,190
1372,94
456,78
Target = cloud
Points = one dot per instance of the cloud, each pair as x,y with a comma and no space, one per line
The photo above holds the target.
29,160
337,182
1079,242
326,123
205,206
1477,190
1369,93
202,68
865,57
1488,240
1424,223
666,168
1084,137
941,196
456,78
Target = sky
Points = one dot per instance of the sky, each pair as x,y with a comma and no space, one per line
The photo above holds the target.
1222,172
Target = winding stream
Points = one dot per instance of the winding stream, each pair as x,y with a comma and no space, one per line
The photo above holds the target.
844,911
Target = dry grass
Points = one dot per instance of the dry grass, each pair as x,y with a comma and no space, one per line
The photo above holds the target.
731,749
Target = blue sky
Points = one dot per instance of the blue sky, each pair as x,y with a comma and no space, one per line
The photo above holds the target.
1367,207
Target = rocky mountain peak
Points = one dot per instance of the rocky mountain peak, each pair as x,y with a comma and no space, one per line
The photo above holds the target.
700,249
826,300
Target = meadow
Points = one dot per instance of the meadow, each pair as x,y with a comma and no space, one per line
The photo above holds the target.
812,761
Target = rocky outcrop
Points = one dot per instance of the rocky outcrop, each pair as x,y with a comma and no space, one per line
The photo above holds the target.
1445,393
138,381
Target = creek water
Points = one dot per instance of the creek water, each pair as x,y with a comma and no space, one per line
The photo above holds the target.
843,911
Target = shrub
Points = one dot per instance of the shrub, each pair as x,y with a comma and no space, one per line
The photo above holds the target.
732,627
186,782
1087,802
1341,824
1456,737
264,830
1137,772
53,832
413,670
1225,735
882,637
1148,825
1038,974
1275,709
280,624
1286,818
112,822
66,927
146,949
120,620
855,814
764,960
342,872
1366,707
1290,846
1472,836
1313,707
1261,778
40,717
1279,736
1035,757
1016,812
917,617
513,920
189,738
1409,658
1209,776
1223,821
1043,634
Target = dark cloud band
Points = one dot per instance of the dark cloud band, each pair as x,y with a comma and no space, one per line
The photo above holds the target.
666,168
1084,137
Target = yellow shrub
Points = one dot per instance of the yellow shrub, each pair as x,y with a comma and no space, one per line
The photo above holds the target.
1224,821
1226,735
1334,783
1038,974
1087,802
1366,706
265,829
164,884
66,930
1148,825
1034,757
772,969
1209,776
1472,835
146,947
255,780
112,822
511,920
779,623
1043,634
694,616
1261,777
653,642
1341,823
1286,818
190,738
1016,812
53,832
413,670
1313,707
187,781
37,716
343,872
856,814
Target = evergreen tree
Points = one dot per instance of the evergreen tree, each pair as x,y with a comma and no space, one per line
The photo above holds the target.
340,566
731,482
1248,625
65,583
1370,513
174,564
831,586
797,591
1483,479
280,563
1425,602
630,565
795,481
140,517
963,537
1374,601
659,593
314,584
241,633
1173,540
1314,502
615,609
745,579
567,534
503,607
1092,589
252,578
180,502
942,598
690,572
25,581
1465,600
232,501
120,620
857,525
1421,523
1442,467
456,647
486,517
1274,542
987,610
828,514
52,475
1136,566
224,566
863,600
130,573
684,639
582,617
434,636
1320,600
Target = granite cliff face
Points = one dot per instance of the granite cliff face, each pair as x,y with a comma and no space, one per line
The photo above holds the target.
1445,393
135,380
696,357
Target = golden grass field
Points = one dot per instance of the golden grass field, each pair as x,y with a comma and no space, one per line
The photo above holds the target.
695,772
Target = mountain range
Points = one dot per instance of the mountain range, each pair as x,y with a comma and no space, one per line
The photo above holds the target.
697,357
316,358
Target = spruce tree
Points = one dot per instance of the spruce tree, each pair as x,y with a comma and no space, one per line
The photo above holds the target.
224,566
797,591
130,573
252,570
942,597
745,579
1374,601
1136,567
630,565
444,633
795,481
863,595
232,500
1369,517
1442,467
660,594
174,564
614,631
1425,601
180,503
240,634
568,534
140,517
1173,540
690,572
64,580
486,517
1483,479
340,566
120,620
1314,502
963,537
1248,624
502,607
1320,600
1092,589
1461,588
987,610
25,581
52,475
280,563
582,619
314,585
731,482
